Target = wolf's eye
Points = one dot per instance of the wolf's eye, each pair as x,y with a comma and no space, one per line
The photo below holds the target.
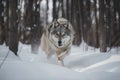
56,35
66,25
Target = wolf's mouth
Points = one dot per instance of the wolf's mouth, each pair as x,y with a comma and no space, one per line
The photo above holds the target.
60,45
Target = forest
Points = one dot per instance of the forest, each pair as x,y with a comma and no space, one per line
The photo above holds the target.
96,22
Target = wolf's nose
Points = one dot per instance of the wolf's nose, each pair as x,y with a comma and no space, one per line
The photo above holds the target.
60,43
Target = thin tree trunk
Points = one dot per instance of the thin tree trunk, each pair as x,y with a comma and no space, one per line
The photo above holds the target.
67,9
55,16
28,22
47,8
62,6
95,28
102,29
77,24
6,23
35,42
13,26
2,29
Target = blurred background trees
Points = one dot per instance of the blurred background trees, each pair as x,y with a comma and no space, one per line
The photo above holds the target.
96,22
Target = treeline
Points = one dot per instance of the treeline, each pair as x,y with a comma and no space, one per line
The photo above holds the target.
96,22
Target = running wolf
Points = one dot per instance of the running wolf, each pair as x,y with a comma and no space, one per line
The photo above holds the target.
57,39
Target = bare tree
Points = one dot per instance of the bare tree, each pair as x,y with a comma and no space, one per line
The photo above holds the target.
13,26
36,30
102,28
2,28
6,22
54,12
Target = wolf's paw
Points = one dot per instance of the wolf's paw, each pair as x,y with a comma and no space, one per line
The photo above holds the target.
60,63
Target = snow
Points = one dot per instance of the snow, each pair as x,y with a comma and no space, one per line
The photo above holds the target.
81,64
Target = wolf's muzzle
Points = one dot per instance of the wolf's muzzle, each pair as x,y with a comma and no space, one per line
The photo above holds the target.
59,43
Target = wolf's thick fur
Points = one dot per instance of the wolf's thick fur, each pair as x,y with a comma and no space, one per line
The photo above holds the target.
57,38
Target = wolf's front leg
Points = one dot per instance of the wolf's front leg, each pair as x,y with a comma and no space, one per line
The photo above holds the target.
60,61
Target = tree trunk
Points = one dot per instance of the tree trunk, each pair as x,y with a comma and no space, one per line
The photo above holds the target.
35,32
95,26
47,8
13,26
6,23
28,22
62,6
2,29
77,26
54,12
102,29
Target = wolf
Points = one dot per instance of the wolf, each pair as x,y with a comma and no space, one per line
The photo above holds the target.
57,39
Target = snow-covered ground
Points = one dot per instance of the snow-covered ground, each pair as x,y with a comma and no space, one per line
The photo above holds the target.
81,64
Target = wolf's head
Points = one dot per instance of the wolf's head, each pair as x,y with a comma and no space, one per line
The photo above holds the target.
60,32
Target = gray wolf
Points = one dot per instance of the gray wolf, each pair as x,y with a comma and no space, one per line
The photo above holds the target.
57,39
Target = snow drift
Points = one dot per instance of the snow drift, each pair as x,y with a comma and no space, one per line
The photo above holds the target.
79,65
